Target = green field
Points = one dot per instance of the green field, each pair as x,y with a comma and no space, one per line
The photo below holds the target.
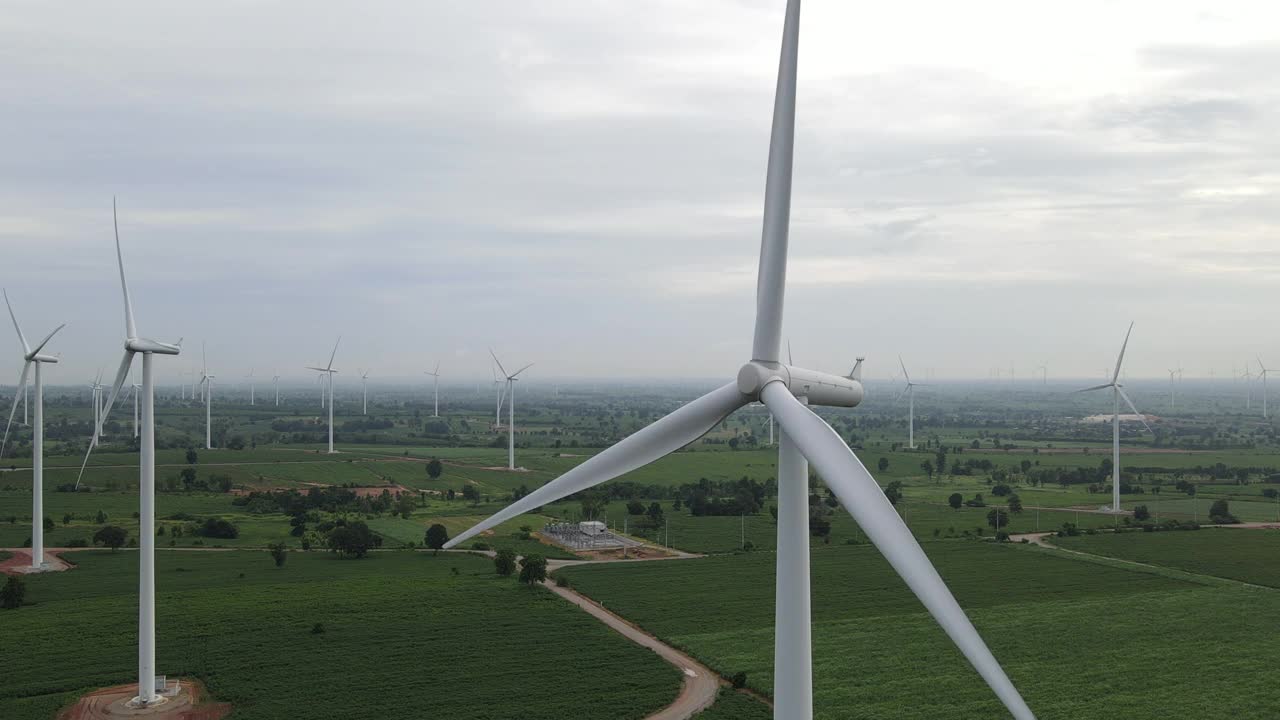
1244,555
405,637
732,705
1052,620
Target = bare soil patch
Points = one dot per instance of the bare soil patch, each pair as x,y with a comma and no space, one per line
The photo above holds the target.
110,704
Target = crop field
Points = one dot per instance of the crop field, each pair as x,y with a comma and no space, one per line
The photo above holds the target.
877,654
410,635
732,705
1245,555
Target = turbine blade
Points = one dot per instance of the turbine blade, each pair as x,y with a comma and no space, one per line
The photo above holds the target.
904,370
790,360
22,384
334,354
47,338
21,337
495,359
131,331
437,370
97,429
862,497
771,281
1129,402
1096,387
657,440
526,367
1120,359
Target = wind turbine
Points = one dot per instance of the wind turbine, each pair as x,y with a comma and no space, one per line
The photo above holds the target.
364,389
250,377
1262,374
435,377
1173,401
32,357
328,372
1044,373
500,389
910,392
805,437
133,344
511,409
275,380
206,389
95,388
1117,392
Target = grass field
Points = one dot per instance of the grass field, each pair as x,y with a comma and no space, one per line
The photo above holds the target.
406,635
1051,620
1245,555
732,705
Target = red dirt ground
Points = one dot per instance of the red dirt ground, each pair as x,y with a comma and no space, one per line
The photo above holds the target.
20,562
97,705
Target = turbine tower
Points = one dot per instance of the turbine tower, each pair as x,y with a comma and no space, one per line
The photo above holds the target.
32,357
275,380
499,391
787,391
511,409
435,378
134,345
250,377
137,387
327,372
910,391
1117,392
206,389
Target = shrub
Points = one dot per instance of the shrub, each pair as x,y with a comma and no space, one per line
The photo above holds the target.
218,528
739,680
14,590
317,629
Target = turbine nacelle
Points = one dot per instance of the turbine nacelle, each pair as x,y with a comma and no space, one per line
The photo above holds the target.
817,387
146,345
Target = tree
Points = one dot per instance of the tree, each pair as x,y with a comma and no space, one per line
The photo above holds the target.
533,569
14,590
218,528
112,536
1001,490
1141,512
471,494
733,443
955,501
505,562
188,476
354,539
1220,514
998,518
49,524
100,518
279,553
437,536
635,507
893,491
191,456
1015,503
927,467
883,464
435,469
655,513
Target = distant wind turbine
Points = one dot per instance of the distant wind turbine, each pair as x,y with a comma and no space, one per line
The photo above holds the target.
1117,393
206,385
1262,374
511,409
32,357
250,377
910,392
435,378
327,372
133,345
787,391
364,390
275,380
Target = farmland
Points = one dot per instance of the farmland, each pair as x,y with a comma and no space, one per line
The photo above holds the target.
1244,555
1036,611
450,638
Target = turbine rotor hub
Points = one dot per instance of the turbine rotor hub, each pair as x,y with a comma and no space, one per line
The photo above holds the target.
817,387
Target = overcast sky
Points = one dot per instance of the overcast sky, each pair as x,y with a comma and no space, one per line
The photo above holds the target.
579,184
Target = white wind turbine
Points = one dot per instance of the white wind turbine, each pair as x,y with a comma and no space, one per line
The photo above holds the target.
328,372
364,390
435,389
1262,375
250,378
1173,400
206,389
910,391
805,437
499,390
96,389
1117,392
511,409
133,345
275,380
32,357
